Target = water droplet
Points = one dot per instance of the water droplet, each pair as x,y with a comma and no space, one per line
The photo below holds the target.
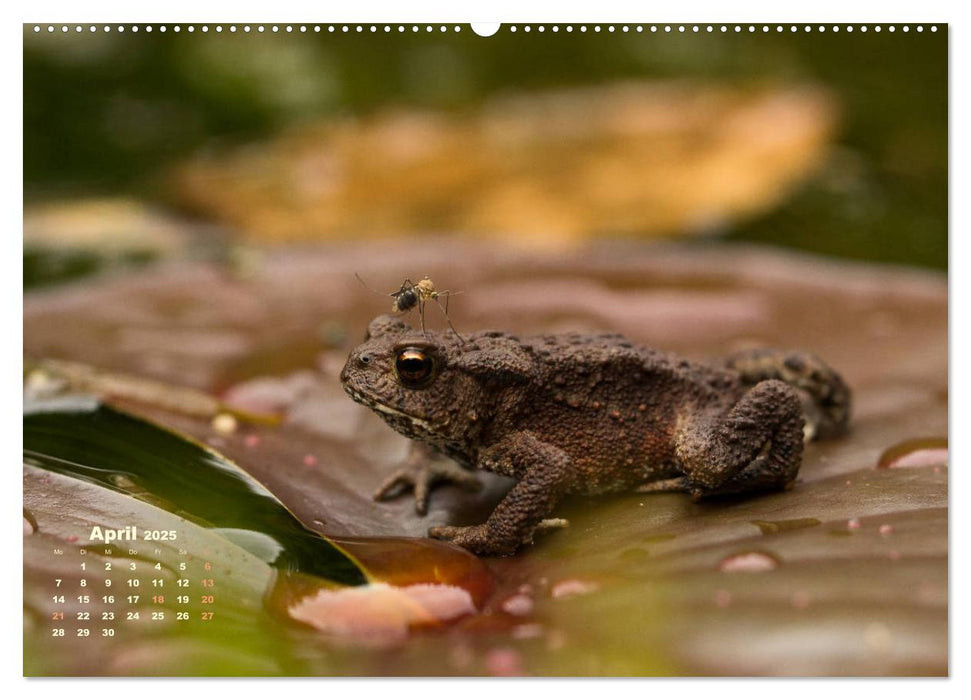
504,662
532,630
125,482
461,655
572,587
800,600
926,592
877,636
749,562
519,604
886,529
922,452
555,640
30,523
224,424
770,527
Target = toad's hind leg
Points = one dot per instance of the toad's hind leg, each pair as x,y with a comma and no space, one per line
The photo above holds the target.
756,446
825,396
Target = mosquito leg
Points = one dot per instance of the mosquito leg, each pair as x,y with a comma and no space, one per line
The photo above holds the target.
447,319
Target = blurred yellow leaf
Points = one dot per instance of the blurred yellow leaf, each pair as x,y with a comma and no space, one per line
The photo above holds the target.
648,159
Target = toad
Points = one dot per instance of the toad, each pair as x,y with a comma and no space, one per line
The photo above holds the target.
588,415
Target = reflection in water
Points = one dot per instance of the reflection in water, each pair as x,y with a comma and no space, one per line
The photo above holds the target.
406,561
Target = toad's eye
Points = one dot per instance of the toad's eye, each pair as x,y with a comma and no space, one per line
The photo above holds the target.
414,367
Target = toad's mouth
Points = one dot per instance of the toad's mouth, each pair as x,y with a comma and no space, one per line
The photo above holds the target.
392,415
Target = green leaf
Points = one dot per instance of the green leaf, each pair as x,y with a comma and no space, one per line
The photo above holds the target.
144,634
85,439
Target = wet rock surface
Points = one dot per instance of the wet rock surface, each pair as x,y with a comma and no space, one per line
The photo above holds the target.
662,585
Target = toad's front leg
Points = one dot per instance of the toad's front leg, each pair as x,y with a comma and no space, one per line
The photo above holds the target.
425,468
543,471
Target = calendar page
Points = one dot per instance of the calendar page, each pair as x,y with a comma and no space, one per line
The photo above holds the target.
593,349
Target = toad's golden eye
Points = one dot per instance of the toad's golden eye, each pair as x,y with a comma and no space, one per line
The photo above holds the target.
414,367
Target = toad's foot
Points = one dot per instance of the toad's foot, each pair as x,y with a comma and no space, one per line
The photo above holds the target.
678,484
422,478
476,537
550,524
546,526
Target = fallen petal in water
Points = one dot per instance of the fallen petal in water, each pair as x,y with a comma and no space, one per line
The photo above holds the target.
379,614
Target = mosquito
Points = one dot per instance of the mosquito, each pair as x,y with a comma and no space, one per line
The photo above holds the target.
411,294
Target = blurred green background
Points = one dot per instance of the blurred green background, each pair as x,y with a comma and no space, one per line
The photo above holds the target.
106,113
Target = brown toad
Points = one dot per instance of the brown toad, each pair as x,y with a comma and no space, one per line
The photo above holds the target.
587,414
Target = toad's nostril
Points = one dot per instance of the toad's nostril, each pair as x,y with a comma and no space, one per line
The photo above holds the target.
365,359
